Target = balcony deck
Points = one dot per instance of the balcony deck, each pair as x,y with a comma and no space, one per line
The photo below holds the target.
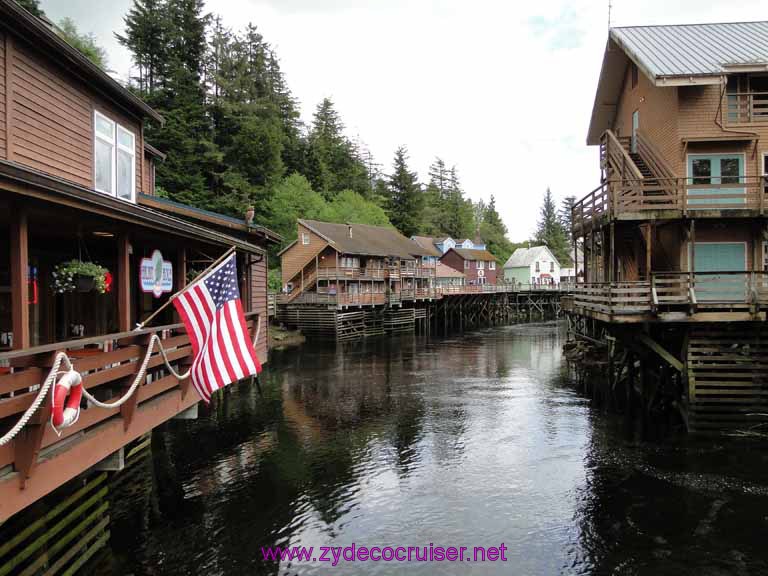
672,198
675,297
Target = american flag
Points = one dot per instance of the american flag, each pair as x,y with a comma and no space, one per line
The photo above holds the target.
213,314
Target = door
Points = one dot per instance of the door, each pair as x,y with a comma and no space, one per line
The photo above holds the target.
720,257
721,170
635,126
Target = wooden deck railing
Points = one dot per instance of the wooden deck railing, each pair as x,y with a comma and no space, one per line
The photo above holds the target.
747,107
682,195
107,363
351,299
670,291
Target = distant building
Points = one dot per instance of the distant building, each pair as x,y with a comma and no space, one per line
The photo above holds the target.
479,266
354,265
575,272
447,276
442,245
432,254
535,265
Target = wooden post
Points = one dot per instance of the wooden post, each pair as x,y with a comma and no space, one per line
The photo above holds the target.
181,275
692,257
19,272
123,283
611,263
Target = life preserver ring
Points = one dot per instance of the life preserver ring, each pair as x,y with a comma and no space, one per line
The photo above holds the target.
67,393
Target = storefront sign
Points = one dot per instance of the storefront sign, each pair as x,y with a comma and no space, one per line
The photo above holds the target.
156,275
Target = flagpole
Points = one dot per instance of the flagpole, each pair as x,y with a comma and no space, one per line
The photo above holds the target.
173,297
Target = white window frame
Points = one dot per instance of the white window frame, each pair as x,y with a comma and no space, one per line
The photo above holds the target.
765,172
480,265
491,265
466,264
304,239
116,147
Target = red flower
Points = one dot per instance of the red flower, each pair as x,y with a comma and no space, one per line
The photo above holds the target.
108,282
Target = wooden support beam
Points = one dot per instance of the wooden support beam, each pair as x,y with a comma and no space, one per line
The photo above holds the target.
123,283
19,272
181,275
661,351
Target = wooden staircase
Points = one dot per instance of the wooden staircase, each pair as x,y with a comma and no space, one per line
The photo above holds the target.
309,282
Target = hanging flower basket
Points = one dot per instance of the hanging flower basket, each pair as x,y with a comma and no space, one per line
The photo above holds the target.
79,276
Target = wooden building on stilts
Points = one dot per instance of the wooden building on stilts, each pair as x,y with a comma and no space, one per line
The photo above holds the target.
674,302
89,251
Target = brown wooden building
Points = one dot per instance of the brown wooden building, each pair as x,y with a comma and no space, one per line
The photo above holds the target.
77,183
675,231
478,266
354,265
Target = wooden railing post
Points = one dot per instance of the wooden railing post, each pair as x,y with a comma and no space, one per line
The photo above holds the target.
123,281
19,272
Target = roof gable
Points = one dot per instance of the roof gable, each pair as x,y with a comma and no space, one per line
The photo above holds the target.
675,55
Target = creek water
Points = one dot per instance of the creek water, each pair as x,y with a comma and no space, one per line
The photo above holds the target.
473,440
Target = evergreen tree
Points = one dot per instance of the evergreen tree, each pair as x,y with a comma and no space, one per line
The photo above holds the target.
147,28
405,197
458,217
493,232
334,162
32,6
86,43
550,232
566,214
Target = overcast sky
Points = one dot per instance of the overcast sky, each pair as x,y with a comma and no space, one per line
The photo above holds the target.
501,88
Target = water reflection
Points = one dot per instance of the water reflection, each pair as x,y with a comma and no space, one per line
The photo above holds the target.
467,441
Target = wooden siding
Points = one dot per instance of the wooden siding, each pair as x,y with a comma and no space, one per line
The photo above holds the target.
147,185
51,121
456,262
658,111
3,149
51,118
299,255
259,304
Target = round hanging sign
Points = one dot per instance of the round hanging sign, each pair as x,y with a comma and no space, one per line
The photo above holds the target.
156,275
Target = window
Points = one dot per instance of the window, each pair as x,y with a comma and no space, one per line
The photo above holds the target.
305,239
480,265
717,175
765,172
114,158
466,264
635,75
551,266
491,265
349,262
537,267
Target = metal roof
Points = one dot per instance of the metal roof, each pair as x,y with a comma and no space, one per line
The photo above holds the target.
694,49
675,55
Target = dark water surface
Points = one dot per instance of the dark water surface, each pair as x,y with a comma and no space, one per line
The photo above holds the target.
470,441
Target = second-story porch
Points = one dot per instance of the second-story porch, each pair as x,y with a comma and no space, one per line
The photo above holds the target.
638,185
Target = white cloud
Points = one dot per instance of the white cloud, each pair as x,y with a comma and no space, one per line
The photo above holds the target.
502,89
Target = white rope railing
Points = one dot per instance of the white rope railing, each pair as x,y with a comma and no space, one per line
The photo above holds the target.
155,339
